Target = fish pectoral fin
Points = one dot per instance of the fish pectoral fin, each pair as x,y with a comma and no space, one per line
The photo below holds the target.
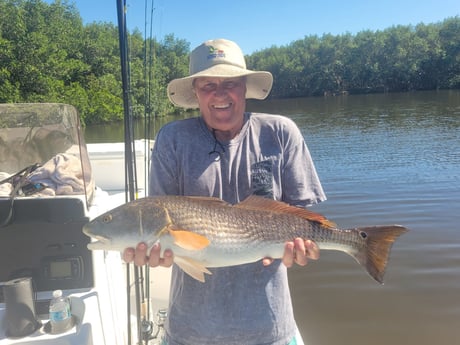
193,268
188,240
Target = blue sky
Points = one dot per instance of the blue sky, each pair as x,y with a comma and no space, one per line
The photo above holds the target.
259,24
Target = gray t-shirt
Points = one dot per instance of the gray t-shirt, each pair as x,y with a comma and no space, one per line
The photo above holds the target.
246,304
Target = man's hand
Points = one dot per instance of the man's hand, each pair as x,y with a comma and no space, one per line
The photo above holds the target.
140,258
297,251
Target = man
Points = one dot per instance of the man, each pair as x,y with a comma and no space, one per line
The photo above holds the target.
230,154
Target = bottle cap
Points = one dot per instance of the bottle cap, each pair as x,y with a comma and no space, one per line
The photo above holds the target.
57,293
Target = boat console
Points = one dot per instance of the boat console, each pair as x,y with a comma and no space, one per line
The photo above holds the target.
46,193
44,241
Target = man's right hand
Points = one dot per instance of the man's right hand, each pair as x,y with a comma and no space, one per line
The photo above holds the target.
139,256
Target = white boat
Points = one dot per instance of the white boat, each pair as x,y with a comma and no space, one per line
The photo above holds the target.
41,239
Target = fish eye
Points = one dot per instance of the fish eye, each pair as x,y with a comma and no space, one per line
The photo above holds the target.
107,218
363,235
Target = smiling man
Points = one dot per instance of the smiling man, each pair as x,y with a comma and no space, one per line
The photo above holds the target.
222,101
230,154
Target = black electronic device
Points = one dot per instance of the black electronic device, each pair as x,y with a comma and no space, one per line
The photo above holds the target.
44,240
66,271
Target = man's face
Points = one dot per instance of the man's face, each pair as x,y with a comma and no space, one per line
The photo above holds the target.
222,102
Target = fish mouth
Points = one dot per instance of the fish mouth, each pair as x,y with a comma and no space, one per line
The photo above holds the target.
87,230
98,242
101,239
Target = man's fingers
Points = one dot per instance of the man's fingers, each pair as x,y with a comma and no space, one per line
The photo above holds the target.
128,255
288,257
155,259
267,261
167,259
300,252
140,255
154,255
312,250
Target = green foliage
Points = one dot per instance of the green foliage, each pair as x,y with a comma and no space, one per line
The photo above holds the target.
48,55
400,58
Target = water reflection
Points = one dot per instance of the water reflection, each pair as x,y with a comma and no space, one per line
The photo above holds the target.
114,132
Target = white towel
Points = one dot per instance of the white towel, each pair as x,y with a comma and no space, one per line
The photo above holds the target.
62,175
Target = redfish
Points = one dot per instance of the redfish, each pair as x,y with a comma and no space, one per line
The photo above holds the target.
207,232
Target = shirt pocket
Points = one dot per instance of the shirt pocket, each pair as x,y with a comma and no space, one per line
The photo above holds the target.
264,176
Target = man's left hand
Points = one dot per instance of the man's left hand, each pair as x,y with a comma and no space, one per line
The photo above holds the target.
298,251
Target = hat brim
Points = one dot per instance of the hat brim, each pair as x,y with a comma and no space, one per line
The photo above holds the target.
258,84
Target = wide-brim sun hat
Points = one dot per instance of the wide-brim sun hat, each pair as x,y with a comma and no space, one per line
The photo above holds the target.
223,59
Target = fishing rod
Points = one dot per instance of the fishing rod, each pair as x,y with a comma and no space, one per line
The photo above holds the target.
130,163
148,63
145,327
130,180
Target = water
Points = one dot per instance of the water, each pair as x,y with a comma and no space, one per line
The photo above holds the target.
383,159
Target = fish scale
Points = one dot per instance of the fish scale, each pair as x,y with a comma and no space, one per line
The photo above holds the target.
233,230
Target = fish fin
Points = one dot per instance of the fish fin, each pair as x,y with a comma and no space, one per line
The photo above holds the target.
258,203
208,200
188,240
193,268
379,240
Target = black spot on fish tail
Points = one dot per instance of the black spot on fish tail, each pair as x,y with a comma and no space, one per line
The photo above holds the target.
375,254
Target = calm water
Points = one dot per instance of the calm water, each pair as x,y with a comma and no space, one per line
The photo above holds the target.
382,159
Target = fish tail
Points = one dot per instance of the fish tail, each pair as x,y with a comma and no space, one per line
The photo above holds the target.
375,254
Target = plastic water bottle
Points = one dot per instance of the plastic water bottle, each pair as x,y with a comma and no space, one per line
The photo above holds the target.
60,315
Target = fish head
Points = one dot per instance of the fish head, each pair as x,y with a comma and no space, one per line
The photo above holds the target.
138,221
